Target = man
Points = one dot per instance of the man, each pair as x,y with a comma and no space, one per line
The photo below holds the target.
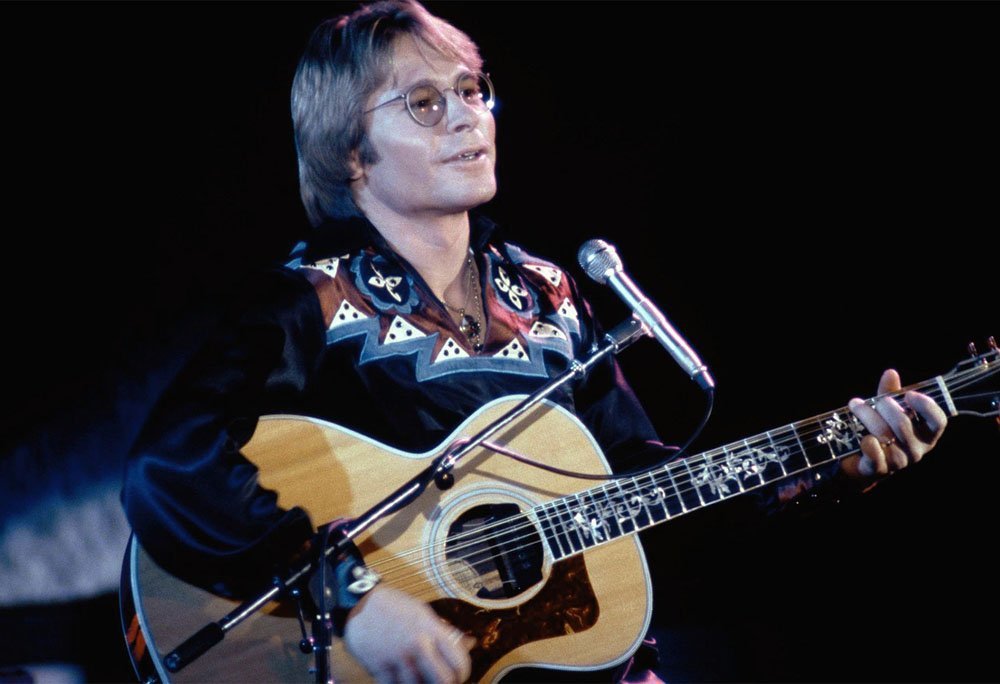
401,316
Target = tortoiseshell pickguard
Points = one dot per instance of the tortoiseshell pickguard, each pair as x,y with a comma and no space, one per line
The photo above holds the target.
566,604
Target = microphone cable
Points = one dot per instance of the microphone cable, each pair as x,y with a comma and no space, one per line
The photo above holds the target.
678,453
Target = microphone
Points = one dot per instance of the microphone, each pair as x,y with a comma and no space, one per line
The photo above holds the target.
602,263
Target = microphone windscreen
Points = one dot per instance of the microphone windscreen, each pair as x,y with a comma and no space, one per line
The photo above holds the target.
598,259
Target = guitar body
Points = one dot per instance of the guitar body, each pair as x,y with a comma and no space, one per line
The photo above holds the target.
588,611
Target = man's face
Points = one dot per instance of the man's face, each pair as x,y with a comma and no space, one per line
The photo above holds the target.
426,171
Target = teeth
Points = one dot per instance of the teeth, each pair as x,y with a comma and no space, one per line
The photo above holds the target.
468,155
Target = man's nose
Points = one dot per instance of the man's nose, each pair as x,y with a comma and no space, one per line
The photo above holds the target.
460,114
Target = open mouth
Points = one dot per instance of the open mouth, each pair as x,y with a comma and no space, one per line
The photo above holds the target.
471,155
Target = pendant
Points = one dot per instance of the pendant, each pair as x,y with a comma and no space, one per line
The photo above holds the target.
469,326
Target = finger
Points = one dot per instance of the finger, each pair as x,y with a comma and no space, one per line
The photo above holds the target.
455,650
896,457
929,418
859,466
897,419
893,414
871,419
900,425
889,382
873,458
433,667
886,456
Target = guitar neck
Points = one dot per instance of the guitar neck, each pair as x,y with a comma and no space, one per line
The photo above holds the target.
578,522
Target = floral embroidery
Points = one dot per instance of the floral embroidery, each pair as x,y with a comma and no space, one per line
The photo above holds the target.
514,292
390,284
385,283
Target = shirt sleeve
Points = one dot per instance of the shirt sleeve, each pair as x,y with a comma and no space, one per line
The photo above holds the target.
191,497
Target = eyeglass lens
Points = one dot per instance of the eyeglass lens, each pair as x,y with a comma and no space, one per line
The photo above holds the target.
427,104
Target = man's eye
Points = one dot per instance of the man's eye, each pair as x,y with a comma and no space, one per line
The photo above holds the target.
424,98
470,90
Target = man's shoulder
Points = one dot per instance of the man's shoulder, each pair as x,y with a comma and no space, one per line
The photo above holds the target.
540,271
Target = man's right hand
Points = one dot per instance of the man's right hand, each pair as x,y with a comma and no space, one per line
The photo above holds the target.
400,639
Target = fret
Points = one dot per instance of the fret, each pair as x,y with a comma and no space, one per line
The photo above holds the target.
601,517
627,511
779,452
581,524
756,460
550,529
840,433
655,499
673,498
610,512
775,468
728,469
797,461
712,480
577,540
687,489
643,498
680,489
697,480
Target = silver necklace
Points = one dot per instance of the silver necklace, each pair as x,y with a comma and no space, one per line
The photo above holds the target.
468,316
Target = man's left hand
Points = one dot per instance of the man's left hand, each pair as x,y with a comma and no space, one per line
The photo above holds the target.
898,436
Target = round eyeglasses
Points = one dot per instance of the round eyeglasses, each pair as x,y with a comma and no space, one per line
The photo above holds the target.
427,105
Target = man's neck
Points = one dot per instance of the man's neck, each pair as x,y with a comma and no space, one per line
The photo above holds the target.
437,247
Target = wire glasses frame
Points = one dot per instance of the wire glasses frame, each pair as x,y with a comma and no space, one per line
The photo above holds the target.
426,104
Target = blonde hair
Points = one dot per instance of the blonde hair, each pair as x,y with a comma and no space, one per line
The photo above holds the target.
346,59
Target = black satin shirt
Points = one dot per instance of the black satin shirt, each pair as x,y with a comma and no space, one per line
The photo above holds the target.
349,332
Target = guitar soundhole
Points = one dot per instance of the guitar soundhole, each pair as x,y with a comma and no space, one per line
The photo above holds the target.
494,552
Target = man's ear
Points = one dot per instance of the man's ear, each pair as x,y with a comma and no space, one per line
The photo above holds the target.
357,169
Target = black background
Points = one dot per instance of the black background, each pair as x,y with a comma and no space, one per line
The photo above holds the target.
808,191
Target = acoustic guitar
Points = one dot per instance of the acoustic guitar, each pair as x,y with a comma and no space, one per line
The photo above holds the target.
541,572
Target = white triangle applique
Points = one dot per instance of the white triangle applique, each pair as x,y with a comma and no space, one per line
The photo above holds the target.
540,329
401,330
514,351
327,266
451,350
568,310
346,314
553,275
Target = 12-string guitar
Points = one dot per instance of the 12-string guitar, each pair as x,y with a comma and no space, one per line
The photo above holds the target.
540,572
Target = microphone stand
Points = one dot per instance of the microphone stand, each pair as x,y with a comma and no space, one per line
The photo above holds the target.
439,471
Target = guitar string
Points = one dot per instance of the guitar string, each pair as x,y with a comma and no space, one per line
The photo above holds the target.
565,533
627,530
564,538
631,488
708,458
626,525
626,491
506,528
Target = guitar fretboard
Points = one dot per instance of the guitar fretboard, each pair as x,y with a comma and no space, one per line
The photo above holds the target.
572,524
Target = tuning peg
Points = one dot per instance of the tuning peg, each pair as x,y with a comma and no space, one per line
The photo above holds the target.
973,352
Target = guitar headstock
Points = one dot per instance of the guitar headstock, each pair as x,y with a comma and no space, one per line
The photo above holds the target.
974,384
